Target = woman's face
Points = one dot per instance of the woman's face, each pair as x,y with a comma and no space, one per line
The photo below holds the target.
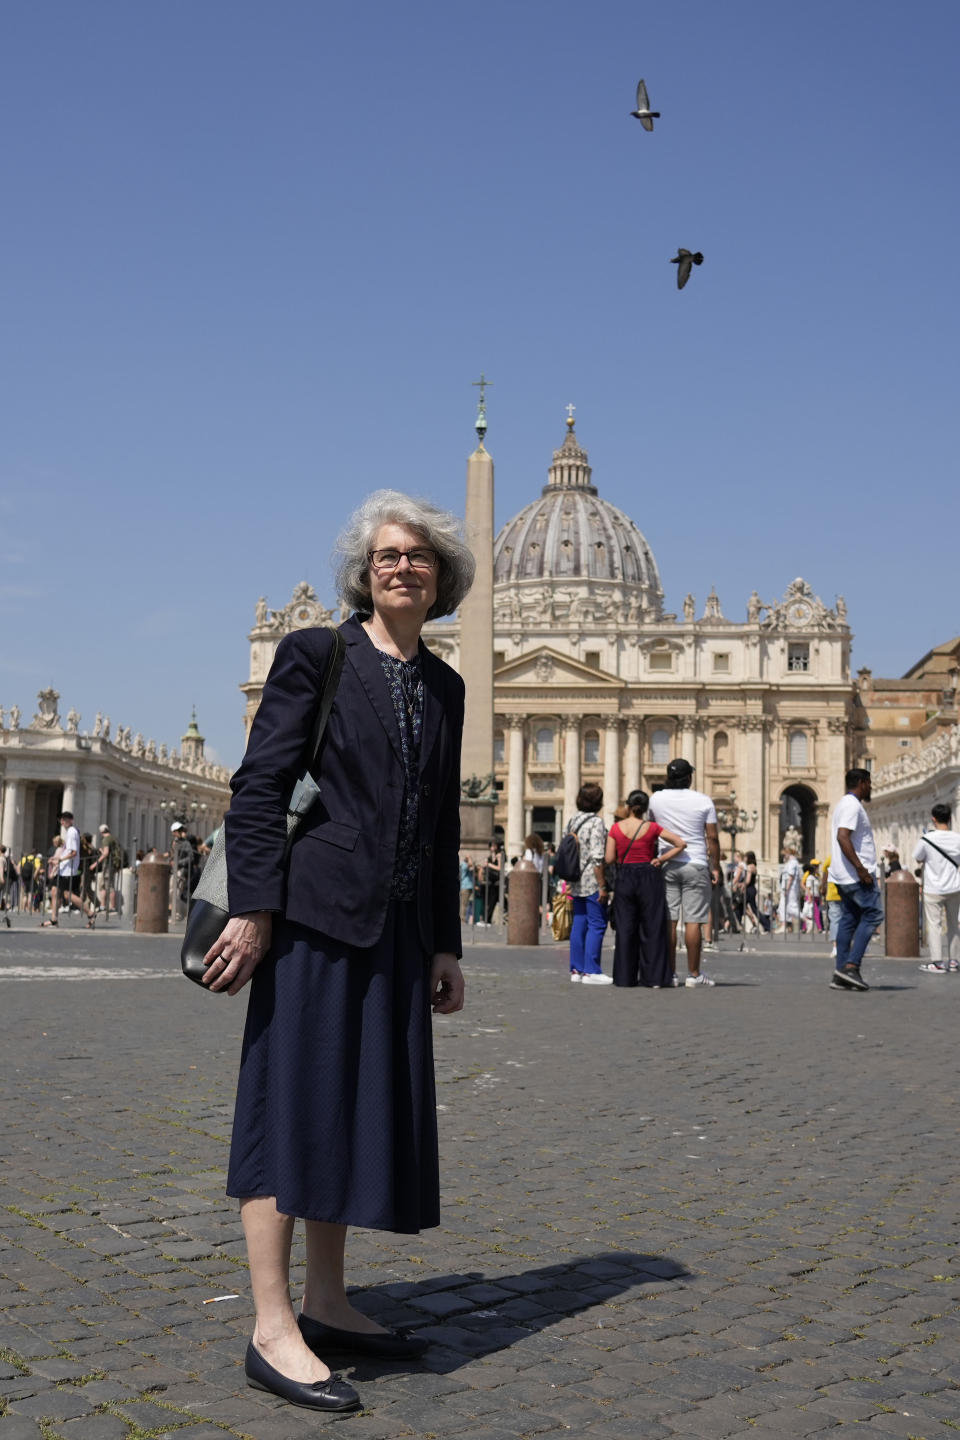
403,591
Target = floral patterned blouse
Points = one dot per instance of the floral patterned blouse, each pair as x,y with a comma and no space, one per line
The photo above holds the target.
592,834
405,683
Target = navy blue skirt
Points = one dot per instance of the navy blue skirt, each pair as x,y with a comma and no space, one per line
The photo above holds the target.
336,1104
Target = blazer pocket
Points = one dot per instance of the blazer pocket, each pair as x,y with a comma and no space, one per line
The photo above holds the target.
343,836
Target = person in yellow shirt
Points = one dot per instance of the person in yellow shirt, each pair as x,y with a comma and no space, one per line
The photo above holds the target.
834,907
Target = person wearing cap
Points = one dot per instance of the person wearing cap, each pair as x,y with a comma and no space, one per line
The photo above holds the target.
66,889
690,877
106,851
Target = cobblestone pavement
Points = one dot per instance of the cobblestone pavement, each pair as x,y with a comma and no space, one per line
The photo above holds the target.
711,1213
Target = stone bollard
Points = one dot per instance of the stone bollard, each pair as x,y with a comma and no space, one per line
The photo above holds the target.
523,908
153,898
903,915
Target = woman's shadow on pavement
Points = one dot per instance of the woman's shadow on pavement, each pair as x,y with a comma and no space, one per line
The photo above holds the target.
468,1316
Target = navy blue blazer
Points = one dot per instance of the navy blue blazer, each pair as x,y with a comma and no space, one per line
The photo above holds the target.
338,876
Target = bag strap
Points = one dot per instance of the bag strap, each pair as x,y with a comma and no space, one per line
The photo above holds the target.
632,838
327,696
954,863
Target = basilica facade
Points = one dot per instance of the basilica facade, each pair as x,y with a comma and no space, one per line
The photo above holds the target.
594,680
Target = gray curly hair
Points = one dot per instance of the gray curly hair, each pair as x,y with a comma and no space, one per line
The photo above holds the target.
440,529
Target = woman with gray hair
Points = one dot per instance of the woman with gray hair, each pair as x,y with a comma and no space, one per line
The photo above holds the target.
349,943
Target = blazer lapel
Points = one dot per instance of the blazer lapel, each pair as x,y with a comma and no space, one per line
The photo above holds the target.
366,662
433,688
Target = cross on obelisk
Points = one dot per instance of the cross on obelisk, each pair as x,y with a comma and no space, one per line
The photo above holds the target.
481,421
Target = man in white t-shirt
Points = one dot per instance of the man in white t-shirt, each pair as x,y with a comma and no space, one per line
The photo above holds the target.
939,853
690,877
66,889
853,869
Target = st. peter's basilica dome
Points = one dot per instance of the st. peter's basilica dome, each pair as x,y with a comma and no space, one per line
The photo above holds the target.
571,535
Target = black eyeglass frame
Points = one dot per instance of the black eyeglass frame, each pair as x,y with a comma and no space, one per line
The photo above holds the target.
404,554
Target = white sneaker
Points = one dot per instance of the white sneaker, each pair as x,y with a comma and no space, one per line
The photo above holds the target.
693,980
575,977
597,980
833,952
710,945
675,981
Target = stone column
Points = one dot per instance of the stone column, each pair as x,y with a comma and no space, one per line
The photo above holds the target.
611,768
750,779
770,809
11,832
631,758
571,768
515,786
686,731
69,801
557,823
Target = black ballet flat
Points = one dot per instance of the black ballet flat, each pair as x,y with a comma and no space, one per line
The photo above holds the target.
334,1396
384,1345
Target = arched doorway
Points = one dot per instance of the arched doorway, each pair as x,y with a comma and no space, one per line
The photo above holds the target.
798,811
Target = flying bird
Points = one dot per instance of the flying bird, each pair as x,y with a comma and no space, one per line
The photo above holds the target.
684,261
643,113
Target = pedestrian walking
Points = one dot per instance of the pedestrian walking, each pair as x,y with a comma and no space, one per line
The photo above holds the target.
467,880
938,851
791,890
641,953
751,913
65,889
9,879
349,944
853,869
691,876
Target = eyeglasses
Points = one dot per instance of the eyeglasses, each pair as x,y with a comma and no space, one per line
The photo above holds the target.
419,559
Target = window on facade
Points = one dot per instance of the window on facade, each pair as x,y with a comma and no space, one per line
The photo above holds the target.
721,748
591,748
498,747
798,747
592,658
660,747
499,656
544,744
661,659
905,743
798,655
721,662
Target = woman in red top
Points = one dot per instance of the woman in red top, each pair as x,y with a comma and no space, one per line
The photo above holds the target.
641,955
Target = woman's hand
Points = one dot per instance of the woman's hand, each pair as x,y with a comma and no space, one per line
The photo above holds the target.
446,985
232,959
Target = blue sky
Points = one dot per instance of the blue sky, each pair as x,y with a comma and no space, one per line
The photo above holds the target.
255,255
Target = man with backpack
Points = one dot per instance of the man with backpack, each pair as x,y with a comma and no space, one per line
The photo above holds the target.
938,851
109,865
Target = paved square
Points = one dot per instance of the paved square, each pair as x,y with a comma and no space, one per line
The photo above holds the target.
704,1213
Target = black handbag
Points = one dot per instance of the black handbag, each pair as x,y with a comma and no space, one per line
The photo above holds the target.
209,907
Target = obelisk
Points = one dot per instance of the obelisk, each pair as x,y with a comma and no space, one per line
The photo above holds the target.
478,796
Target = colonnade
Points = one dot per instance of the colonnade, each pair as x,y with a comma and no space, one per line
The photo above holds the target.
627,760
